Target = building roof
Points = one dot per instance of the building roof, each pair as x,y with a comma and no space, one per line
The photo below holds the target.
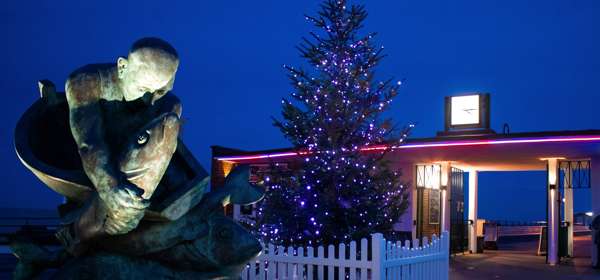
485,152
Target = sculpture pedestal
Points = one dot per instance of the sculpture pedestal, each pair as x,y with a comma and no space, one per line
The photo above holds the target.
110,266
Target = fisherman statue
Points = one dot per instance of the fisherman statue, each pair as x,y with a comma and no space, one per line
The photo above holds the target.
138,205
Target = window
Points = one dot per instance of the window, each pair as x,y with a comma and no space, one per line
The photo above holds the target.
429,176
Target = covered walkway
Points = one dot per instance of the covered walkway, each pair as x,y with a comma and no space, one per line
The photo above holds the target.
438,200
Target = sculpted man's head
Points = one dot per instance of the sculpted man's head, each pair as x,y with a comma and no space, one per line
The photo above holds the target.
149,68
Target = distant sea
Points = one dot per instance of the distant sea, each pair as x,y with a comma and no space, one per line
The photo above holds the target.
27,213
12,218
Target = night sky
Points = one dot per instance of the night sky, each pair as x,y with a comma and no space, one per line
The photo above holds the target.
540,60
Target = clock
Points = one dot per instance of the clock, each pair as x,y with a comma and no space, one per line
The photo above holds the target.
467,114
464,110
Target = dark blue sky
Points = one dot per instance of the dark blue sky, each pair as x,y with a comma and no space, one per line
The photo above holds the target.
539,59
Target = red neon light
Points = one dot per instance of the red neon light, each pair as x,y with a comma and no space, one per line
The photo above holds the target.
431,145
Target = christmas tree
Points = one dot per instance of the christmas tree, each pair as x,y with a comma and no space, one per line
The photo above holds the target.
346,189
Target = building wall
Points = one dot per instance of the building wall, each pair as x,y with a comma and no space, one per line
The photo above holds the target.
220,169
408,221
407,180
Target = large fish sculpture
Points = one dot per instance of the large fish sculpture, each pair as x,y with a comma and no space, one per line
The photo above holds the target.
183,228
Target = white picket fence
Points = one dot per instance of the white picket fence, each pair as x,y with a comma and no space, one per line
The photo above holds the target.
386,260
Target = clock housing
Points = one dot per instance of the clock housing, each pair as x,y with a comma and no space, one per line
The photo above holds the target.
467,113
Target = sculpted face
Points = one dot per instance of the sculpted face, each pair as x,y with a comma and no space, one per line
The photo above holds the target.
147,71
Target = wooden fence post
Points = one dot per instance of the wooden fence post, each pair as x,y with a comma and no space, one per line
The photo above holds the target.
388,261
377,256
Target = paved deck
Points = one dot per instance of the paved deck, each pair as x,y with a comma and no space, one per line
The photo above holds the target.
517,260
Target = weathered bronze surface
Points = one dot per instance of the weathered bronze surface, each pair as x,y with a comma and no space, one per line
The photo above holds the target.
136,198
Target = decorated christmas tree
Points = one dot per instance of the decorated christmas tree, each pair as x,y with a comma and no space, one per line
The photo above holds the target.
345,189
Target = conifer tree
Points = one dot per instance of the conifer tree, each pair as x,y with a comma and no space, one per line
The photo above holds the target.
346,188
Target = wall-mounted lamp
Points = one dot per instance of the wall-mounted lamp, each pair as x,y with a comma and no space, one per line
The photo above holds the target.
470,222
553,186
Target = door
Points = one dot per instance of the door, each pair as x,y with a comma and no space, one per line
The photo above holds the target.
428,218
458,229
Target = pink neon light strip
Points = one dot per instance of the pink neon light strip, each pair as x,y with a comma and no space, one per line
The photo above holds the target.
260,156
438,144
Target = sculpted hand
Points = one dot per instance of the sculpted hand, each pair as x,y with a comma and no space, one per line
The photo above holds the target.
125,207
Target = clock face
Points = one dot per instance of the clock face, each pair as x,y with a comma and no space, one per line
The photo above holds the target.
464,110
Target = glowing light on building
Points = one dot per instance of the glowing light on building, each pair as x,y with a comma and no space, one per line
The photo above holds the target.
457,143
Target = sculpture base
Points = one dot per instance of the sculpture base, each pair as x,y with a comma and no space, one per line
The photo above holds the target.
111,266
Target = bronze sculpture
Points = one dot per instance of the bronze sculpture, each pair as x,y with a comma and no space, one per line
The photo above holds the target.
136,198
